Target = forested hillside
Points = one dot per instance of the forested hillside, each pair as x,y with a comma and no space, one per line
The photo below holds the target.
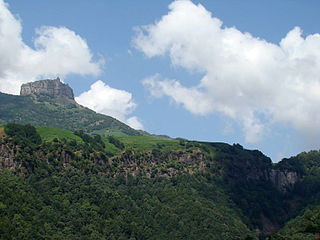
58,184
306,226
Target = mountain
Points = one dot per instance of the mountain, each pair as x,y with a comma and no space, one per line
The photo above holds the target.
60,184
51,103
83,175
52,88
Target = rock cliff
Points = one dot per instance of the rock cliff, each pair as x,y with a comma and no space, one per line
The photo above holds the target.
52,88
284,180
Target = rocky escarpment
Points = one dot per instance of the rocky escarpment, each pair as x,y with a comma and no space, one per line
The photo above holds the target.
7,156
284,180
156,163
52,88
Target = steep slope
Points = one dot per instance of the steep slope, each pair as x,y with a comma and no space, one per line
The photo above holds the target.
70,190
153,187
51,103
306,227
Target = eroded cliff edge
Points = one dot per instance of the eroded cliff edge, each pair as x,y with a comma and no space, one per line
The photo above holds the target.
51,88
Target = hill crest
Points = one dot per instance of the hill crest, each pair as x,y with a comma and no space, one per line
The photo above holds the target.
49,87
51,103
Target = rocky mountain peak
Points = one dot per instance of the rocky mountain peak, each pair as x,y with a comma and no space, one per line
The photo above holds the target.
50,87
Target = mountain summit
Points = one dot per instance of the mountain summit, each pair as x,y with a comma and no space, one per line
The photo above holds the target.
51,103
52,88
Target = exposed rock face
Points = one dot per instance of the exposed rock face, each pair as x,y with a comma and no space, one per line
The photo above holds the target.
52,88
284,180
7,155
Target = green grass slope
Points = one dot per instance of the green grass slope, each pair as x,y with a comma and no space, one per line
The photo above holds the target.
136,143
45,111
141,143
50,133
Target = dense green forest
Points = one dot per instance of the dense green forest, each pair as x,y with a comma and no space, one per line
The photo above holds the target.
306,226
74,205
57,184
52,201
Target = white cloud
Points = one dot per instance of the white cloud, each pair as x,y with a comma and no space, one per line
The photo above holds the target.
245,78
110,101
134,123
189,97
57,51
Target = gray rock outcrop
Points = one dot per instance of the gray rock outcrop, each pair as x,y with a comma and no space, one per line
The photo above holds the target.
284,180
52,88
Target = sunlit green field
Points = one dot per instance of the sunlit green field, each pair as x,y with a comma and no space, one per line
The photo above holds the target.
50,133
149,142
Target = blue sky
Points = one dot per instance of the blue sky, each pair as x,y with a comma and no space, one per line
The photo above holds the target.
189,74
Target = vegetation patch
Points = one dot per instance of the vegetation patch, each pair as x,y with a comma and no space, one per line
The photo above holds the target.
141,143
57,184
50,133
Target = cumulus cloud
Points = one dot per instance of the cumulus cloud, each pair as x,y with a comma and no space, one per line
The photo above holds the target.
245,78
56,51
134,123
110,101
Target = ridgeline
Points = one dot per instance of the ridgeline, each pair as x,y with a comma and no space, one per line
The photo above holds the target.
62,180
51,103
